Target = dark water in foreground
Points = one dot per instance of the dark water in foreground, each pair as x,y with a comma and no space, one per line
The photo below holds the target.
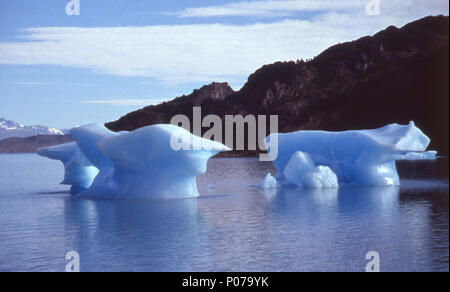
231,227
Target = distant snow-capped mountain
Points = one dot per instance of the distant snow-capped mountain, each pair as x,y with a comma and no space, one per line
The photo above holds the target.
10,129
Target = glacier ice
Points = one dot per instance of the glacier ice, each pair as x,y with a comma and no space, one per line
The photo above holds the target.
141,163
79,171
302,172
428,155
269,182
87,138
320,177
145,164
365,157
298,166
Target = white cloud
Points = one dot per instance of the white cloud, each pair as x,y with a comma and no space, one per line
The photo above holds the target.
204,52
289,8
271,8
173,53
126,102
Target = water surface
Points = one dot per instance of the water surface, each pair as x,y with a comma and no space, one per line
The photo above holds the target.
231,227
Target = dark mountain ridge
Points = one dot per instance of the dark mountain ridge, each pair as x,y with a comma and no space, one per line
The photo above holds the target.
31,144
396,75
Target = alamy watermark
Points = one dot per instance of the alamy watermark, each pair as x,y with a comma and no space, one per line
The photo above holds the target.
73,264
374,262
73,7
373,8
254,128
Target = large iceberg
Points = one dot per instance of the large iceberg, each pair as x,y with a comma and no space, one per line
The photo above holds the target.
143,163
365,157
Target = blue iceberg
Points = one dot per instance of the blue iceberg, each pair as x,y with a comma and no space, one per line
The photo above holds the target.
364,157
159,161
301,171
79,171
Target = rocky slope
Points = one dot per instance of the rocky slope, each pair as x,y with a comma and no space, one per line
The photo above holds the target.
397,75
207,97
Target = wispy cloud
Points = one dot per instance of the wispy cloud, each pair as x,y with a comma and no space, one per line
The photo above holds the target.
290,7
209,52
32,83
126,102
271,8
173,53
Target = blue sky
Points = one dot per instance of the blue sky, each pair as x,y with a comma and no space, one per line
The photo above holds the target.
118,56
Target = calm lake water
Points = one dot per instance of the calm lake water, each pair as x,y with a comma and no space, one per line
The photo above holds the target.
231,227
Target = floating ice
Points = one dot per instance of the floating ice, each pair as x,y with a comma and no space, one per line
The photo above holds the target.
87,138
428,155
79,172
361,157
269,182
302,172
142,163
298,166
320,177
